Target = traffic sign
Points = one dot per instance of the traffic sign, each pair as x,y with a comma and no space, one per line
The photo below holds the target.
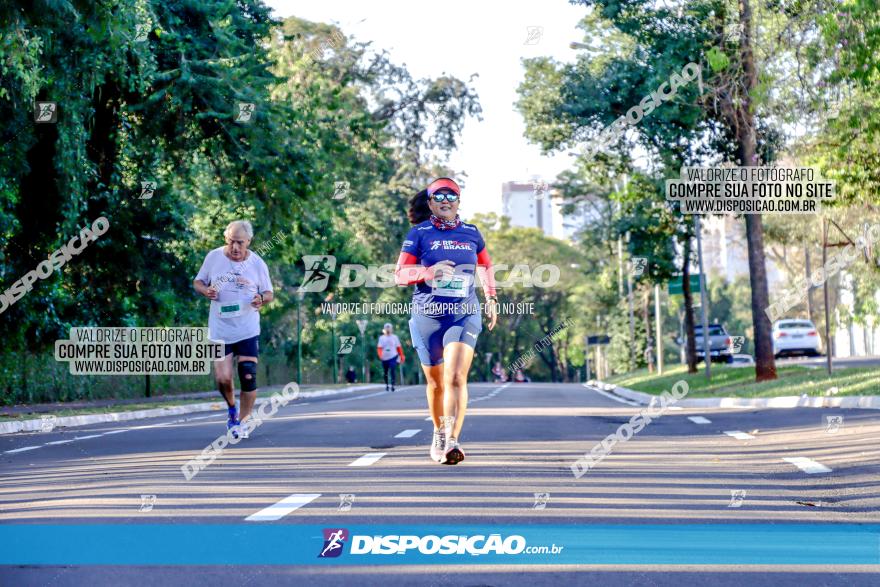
675,286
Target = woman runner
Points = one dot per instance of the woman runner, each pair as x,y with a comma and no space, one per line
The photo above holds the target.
439,257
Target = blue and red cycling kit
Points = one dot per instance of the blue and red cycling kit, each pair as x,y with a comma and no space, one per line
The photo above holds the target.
445,309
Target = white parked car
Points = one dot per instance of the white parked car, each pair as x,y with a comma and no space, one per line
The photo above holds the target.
795,336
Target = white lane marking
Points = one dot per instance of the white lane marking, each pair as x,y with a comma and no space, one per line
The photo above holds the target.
739,434
807,465
616,398
202,417
408,433
278,510
22,449
428,419
368,459
349,399
492,394
114,432
87,437
699,420
58,442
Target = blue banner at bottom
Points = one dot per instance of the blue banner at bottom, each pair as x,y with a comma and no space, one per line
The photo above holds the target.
278,544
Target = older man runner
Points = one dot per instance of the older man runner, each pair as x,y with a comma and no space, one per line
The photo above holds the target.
237,282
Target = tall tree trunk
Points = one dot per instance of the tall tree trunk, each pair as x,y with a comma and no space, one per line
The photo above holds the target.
646,318
765,365
691,350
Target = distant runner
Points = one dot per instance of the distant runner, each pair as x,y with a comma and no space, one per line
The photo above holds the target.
390,351
440,257
237,282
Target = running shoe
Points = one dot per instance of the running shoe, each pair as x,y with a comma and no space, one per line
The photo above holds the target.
438,445
392,389
453,452
232,421
244,430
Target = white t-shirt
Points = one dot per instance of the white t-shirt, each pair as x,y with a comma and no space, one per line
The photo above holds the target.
231,317
388,343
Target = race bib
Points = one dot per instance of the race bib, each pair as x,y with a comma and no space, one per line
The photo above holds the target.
229,309
454,287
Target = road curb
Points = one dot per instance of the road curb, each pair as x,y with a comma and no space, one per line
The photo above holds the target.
85,420
868,402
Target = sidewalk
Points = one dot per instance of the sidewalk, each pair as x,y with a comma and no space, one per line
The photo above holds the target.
47,420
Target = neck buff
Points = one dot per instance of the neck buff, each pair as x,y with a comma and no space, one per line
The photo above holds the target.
441,224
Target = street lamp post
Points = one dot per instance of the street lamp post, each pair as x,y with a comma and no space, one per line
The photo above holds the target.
333,344
362,326
703,301
300,295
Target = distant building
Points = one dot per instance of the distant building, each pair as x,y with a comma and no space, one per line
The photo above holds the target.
534,204
528,205
725,251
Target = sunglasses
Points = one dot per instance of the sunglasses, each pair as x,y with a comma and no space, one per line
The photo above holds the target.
451,198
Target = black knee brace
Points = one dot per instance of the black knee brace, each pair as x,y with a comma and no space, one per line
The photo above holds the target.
247,375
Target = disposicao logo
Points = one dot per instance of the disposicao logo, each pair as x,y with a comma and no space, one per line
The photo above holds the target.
334,540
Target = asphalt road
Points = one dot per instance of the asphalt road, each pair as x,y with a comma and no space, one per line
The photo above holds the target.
520,441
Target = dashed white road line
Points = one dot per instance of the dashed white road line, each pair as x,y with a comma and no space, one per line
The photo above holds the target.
87,437
114,432
739,434
368,459
59,442
807,465
351,399
699,420
278,510
22,449
408,433
491,394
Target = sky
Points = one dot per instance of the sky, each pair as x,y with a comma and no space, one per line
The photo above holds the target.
488,37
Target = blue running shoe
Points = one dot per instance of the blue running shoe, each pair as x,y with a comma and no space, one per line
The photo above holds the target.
232,422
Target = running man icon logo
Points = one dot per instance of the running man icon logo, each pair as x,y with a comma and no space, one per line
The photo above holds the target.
147,190
541,500
334,540
833,424
340,190
533,35
736,343
736,498
346,344
345,501
45,112
245,110
539,188
141,32
147,503
318,270
47,423
638,265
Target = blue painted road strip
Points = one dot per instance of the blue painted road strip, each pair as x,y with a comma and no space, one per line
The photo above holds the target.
289,544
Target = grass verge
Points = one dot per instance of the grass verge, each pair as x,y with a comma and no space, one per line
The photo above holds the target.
740,381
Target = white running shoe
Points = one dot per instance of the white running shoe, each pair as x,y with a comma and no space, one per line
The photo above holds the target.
438,445
244,430
453,454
